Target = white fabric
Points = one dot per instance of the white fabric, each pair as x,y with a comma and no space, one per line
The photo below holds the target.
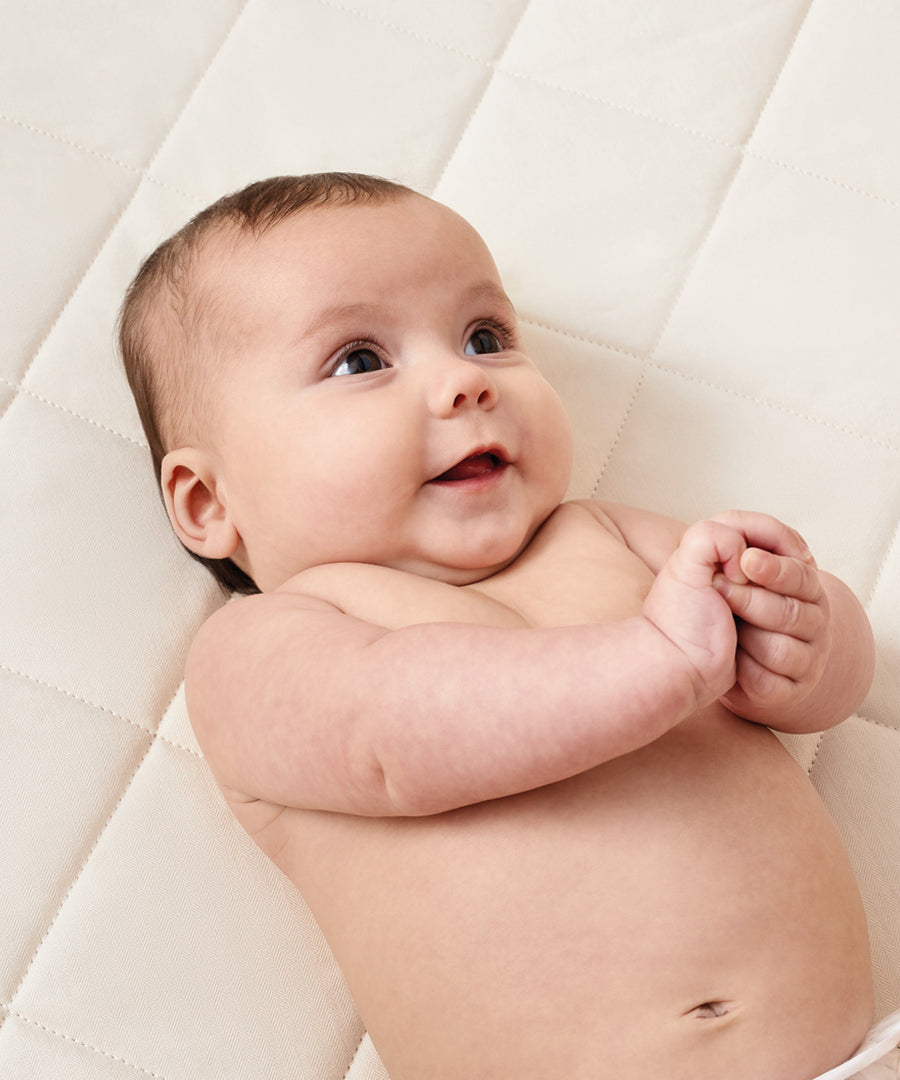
877,1059
696,208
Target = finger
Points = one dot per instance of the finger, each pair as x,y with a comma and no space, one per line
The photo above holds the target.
765,531
787,576
772,612
786,657
705,548
758,684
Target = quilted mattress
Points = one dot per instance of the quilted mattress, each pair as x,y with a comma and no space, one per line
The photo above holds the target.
695,205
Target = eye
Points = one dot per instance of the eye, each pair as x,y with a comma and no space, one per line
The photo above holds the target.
359,362
483,340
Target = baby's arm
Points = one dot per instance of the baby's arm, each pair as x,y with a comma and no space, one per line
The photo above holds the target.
297,703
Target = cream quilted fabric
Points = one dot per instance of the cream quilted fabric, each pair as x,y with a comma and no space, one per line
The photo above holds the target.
696,208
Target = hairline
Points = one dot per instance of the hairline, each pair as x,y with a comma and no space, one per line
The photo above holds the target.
162,362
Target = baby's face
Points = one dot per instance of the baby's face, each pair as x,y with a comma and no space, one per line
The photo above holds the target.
373,403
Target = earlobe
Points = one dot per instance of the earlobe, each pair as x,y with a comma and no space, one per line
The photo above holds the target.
195,505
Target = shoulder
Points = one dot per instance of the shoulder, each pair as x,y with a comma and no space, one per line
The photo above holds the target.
651,536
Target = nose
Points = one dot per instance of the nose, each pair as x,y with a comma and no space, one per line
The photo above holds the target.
456,384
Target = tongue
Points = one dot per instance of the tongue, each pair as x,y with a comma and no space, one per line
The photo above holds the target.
477,465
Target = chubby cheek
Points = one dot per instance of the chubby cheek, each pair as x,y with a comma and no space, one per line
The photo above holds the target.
552,443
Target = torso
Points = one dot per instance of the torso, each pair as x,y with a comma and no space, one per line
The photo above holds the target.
577,930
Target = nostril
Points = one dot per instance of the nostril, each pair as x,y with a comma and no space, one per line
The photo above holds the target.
483,396
458,400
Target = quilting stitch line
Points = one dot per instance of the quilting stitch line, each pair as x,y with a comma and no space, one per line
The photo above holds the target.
767,403
100,155
20,389
78,873
355,1055
123,211
684,129
99,708
702,243
636,393
494,68
398,29
85,1045
71,144
775,406
879,573
81,278
729,188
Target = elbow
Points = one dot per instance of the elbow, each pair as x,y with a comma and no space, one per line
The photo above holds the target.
389,794
381,784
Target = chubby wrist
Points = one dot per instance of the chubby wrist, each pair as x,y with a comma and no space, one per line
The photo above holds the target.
673,686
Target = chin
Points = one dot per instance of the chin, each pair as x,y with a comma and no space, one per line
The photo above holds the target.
468,571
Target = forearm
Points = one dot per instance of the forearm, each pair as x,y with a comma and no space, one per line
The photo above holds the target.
494,712
324,711
846,677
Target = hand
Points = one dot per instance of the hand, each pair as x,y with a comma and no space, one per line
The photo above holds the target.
686,605
784,627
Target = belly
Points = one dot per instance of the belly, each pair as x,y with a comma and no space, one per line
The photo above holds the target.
687,908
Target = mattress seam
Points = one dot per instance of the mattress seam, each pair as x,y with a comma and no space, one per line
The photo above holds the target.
20,389
726,194
82,1043
883,564
406,30
815,754
76,877
635,394
700,245
138,170
72,294
354,1055
101,708
128,203
26,125
142,171
767,403
744,150
777,406
493,69
198,82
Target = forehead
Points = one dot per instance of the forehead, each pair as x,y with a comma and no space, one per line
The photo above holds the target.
364,253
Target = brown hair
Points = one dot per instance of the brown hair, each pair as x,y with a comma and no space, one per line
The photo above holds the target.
159,316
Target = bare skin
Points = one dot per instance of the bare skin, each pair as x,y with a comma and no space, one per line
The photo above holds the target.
514,753
685,910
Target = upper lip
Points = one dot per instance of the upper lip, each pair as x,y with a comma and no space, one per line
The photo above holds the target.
494,450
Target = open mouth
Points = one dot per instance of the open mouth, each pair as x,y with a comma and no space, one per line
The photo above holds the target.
473,467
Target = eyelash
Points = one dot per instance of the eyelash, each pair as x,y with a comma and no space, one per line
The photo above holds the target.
368,343
504,331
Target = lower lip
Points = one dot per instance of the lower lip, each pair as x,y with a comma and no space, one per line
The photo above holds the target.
474,483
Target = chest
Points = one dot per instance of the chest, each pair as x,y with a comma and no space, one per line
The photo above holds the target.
574,571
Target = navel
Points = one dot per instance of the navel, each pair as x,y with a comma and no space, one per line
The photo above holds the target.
711,1010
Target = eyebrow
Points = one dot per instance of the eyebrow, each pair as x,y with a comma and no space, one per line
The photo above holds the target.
487,290
337,313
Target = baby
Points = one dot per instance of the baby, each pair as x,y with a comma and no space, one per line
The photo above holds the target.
513,750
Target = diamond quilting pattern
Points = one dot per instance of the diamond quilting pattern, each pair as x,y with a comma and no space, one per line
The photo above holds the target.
695,210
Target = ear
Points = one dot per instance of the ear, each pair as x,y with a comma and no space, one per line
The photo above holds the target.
195,504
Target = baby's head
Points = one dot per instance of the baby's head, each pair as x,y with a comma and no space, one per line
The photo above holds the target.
169,322
328,370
